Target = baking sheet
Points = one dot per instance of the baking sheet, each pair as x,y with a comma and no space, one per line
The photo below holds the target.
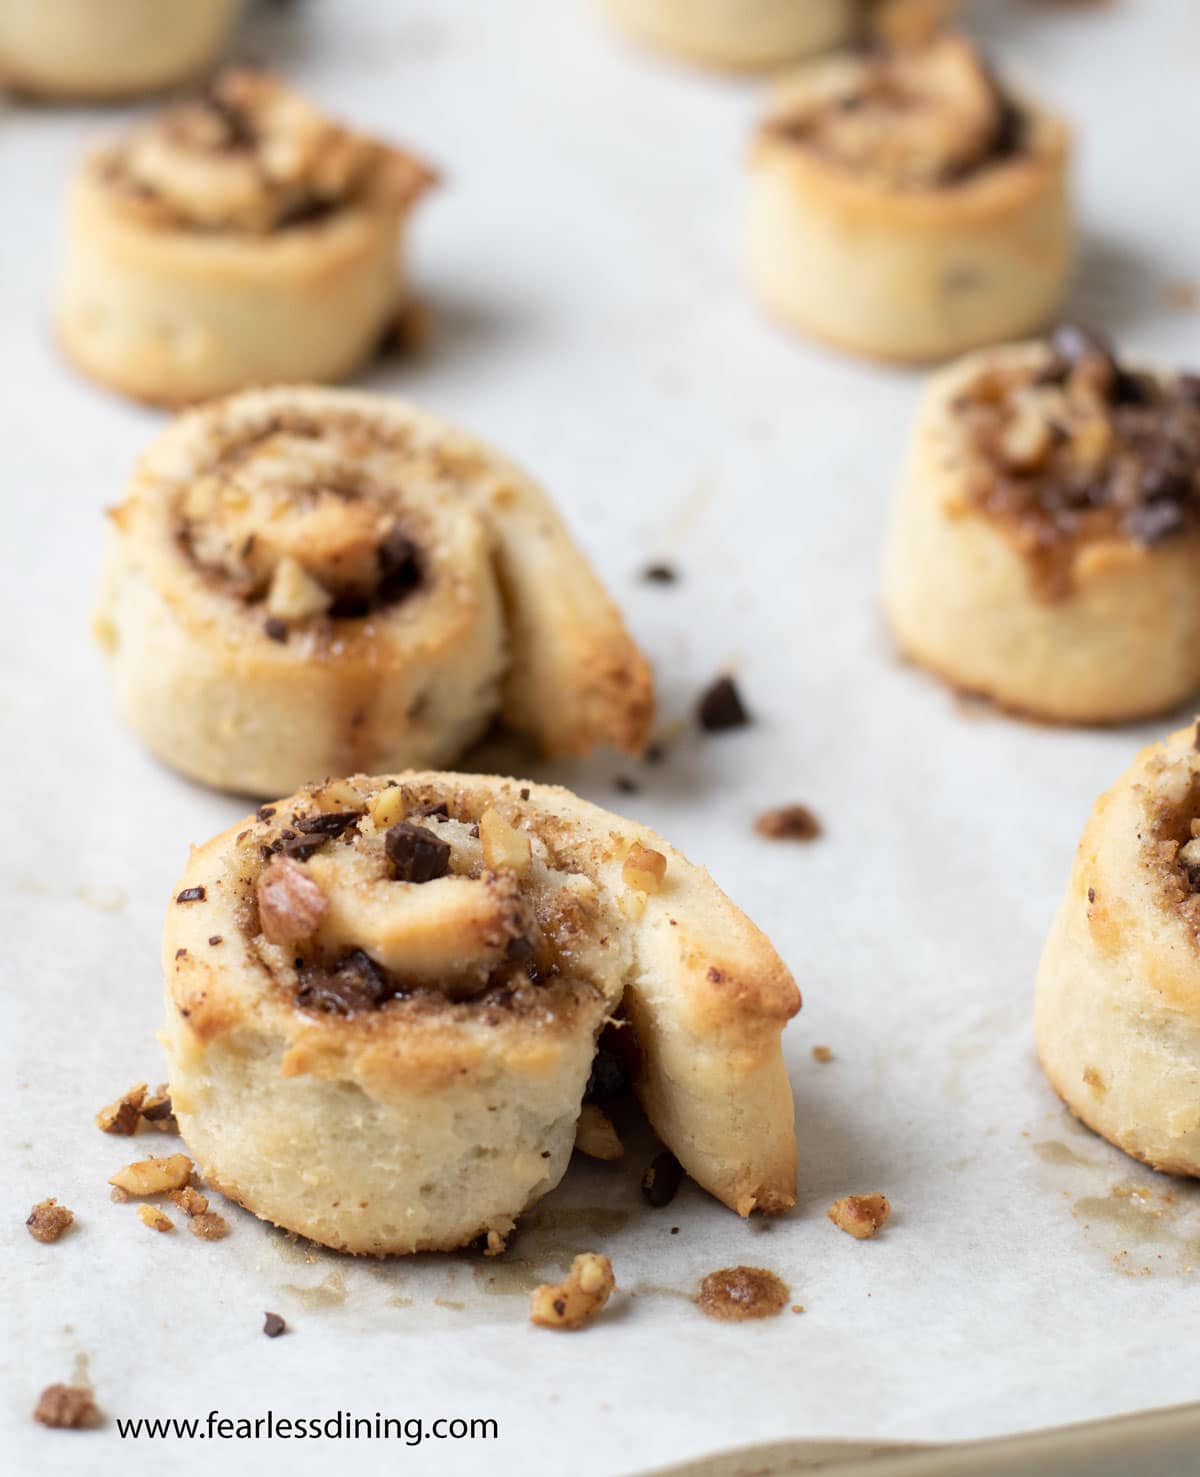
582,267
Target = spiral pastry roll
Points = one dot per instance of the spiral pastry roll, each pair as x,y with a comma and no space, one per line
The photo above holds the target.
384,995
903,204
1046,547
738,35
1117,1014
238,240
99,49
305,582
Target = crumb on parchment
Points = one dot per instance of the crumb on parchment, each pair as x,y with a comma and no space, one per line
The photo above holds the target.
575,1301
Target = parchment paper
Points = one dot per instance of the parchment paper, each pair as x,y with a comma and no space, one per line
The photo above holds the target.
582,266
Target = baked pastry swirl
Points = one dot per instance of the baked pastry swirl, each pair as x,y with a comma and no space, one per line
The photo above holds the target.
903,204
241,239
739,35
303,582
384,996
108,48
1117,1015
1045,551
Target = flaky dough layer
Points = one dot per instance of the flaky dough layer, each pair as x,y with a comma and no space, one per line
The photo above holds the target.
389,1065
1117,1014
304,582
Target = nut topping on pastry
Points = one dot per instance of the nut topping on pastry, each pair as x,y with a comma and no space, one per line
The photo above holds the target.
1069,447
252,156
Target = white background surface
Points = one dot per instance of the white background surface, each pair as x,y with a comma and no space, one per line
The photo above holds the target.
582,263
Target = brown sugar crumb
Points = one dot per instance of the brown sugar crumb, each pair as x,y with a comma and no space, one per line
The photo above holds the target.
48,1220
154,1176
273,1325
208,1225
190,1201
788,823
721,707
735,1294
122,1116
154,1218
67,1408
575,1301
860,1216
822,1054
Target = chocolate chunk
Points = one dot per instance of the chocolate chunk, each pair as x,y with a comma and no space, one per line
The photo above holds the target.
608,1078
355,983
275,629
331,823
214,939
191,895
519,949
661,1180
264,812
273,1325
299,848
660,574
721,707
1151,523
438,812
416,854
399,565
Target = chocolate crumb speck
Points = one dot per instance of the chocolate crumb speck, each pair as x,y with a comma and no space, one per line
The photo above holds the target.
214,940
660,1183
191,895
788,823
660,574
275,629
721,707
273,1325
264,812
181,953
67,1408
1091,894
624,785
48,1220
525,792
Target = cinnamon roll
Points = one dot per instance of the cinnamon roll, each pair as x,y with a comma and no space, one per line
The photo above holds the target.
1046,548
79,49
241,239
302,582
1117,1014
383,997
740,35
904,204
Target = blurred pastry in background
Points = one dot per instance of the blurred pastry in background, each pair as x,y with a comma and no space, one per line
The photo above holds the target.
240,239
739,35
1117,1014
101,49
1045,551
903,204
304,582
383,999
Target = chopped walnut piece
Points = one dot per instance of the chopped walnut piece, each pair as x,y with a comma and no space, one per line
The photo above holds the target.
294,594
388,807
48,1220
67,1408
595,1135
190,1201
154,1176
644,869
209,1226
154,1218
157,1110
291,906
860,1216
575,1301
122,1116
505,849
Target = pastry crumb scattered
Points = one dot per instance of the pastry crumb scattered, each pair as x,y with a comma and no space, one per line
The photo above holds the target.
48,1220
575,1301
273,1325
209,1226
860,1216
595,1135
121,1117
822,1054
67,1408
788,823
154,1218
